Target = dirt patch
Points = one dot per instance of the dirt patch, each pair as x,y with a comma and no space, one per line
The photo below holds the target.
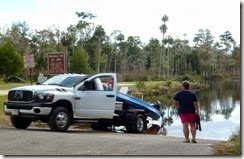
4,120
152,130
82,126
39,124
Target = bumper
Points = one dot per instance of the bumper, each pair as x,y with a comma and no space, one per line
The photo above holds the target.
27,109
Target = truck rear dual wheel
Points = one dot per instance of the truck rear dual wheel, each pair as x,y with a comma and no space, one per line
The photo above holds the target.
20,122
60,119
138,125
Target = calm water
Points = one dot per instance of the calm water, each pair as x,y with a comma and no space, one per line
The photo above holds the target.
219,107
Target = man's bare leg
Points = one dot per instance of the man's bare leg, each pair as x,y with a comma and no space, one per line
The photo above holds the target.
193,131
186,130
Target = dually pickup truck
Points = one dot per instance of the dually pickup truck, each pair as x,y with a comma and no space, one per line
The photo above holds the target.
70,98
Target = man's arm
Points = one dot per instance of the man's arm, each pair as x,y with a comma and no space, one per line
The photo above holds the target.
196,107
176,104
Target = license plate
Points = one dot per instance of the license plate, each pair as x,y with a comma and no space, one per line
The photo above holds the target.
15,111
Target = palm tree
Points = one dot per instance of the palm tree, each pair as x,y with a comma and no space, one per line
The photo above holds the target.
163,28
100,33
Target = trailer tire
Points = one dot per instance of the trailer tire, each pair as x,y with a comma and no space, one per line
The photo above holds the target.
20,122
60,119
138,125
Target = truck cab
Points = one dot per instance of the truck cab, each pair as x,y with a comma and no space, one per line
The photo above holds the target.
94,99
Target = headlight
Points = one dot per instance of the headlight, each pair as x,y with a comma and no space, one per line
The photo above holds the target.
44,97
41,96
49,97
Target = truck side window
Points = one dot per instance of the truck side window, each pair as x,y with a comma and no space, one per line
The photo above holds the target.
90,86
87,86
97,84
105,83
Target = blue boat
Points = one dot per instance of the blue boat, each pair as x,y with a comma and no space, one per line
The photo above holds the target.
136,103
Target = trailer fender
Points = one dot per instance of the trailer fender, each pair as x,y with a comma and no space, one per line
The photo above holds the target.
135,121
130,115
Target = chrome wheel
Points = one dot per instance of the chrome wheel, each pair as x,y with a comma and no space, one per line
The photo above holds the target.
61,119
140,124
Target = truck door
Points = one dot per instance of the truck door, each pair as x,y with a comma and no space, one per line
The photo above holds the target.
94,99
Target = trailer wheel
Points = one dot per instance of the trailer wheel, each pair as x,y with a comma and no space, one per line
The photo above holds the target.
60,119
20,123
138,125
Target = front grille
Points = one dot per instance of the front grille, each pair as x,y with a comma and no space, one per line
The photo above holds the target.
20,95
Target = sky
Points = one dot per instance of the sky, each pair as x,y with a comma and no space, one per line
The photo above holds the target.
132,17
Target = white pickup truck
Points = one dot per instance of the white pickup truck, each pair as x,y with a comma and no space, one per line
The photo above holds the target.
70,98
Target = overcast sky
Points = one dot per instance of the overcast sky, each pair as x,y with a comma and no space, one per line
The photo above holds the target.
132,17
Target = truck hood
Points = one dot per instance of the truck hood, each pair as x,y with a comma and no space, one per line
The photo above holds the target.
42,88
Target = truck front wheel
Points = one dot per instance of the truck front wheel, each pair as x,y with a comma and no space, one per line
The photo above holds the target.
60,119
20,123
138,125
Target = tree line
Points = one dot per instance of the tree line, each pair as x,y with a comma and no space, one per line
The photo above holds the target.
90,50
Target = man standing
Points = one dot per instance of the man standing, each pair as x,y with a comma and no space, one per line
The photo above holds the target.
186,103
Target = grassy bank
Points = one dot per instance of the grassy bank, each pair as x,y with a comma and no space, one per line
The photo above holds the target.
229,148
155,88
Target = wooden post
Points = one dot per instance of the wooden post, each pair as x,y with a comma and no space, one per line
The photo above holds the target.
30,69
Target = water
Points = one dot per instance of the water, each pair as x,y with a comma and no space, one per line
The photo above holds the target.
219,108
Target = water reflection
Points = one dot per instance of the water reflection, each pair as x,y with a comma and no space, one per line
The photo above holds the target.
219,108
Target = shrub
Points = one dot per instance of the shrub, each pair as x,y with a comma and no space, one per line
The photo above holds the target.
217,76
140,84
169,84
186,78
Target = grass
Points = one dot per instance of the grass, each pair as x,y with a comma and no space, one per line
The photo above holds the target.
232,147
2,99
4,86
4,120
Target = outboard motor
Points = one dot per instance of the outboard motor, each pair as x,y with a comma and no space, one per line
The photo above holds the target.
157,105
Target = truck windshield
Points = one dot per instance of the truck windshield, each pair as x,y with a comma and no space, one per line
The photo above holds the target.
65,80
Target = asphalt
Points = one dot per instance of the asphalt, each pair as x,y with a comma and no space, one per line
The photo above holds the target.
87,142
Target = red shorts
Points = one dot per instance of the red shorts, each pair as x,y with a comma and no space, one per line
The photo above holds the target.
190,118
